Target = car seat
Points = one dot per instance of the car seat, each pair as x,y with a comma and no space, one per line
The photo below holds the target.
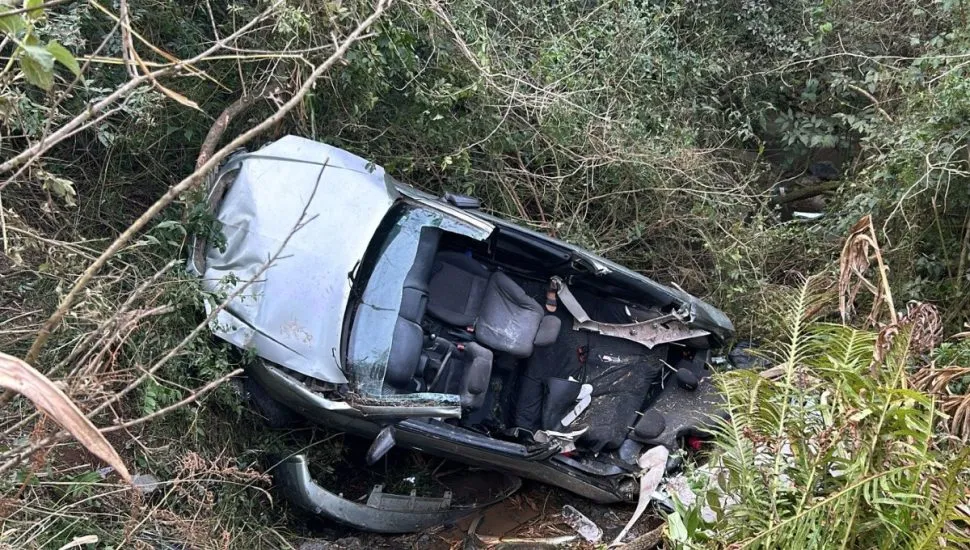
489,304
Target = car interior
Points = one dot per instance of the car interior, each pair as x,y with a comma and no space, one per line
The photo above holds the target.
474,322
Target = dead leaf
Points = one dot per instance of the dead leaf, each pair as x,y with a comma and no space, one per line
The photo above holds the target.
172,94
18,376
81,541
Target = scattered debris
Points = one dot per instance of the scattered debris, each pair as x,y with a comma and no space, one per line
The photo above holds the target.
582,524
653,464
145,483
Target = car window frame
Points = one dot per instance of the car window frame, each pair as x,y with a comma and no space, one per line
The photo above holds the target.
416,404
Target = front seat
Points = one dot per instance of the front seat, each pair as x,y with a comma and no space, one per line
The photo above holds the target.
465,293
466,374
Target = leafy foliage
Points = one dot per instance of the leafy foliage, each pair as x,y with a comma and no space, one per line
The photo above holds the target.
656,133
36,62
837,452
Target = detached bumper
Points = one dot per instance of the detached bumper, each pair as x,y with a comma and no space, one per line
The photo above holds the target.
383,512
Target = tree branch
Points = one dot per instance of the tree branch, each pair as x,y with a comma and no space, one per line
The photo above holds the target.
192,180
28,155
871,98
43,6
219,126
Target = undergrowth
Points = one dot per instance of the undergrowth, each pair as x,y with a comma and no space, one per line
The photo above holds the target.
663,135
838,450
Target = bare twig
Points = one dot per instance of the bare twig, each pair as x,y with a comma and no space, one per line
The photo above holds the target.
127,46
871,98
193,396
27,156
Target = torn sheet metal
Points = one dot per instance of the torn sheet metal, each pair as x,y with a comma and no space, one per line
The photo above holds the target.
653,465
669,328
383,512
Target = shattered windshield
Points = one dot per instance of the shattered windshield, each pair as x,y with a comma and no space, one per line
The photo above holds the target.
376,312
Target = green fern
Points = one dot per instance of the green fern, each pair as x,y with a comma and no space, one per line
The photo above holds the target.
836,452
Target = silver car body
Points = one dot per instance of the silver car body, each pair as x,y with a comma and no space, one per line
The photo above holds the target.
297,219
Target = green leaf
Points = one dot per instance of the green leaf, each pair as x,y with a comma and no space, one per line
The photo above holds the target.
64,57
38,68
40,55
34,14
676,529
12,24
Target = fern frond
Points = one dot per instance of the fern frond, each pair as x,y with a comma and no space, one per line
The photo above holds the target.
830,455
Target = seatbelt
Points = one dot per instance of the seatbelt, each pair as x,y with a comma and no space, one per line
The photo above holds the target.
568,300
652,332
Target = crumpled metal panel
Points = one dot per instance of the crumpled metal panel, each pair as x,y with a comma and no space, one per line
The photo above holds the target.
292,315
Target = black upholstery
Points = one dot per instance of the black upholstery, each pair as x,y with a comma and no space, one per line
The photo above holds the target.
414,298
457,286
405,353
464,293
467,374
408,339
623,374
475,378
548,331
509,319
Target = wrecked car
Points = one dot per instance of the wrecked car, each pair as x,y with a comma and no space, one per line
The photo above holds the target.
426,323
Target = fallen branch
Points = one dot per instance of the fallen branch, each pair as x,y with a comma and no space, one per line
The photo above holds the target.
219,127
192,180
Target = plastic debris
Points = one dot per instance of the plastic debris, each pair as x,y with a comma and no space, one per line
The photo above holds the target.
582,524
653,465
145,483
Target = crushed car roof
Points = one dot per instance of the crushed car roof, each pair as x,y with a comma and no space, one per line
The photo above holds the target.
324,204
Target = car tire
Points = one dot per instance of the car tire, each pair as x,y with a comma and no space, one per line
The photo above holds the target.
276,415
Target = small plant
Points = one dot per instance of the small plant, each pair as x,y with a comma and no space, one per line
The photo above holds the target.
35,60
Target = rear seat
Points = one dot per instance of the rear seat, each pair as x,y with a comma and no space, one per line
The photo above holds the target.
623,374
